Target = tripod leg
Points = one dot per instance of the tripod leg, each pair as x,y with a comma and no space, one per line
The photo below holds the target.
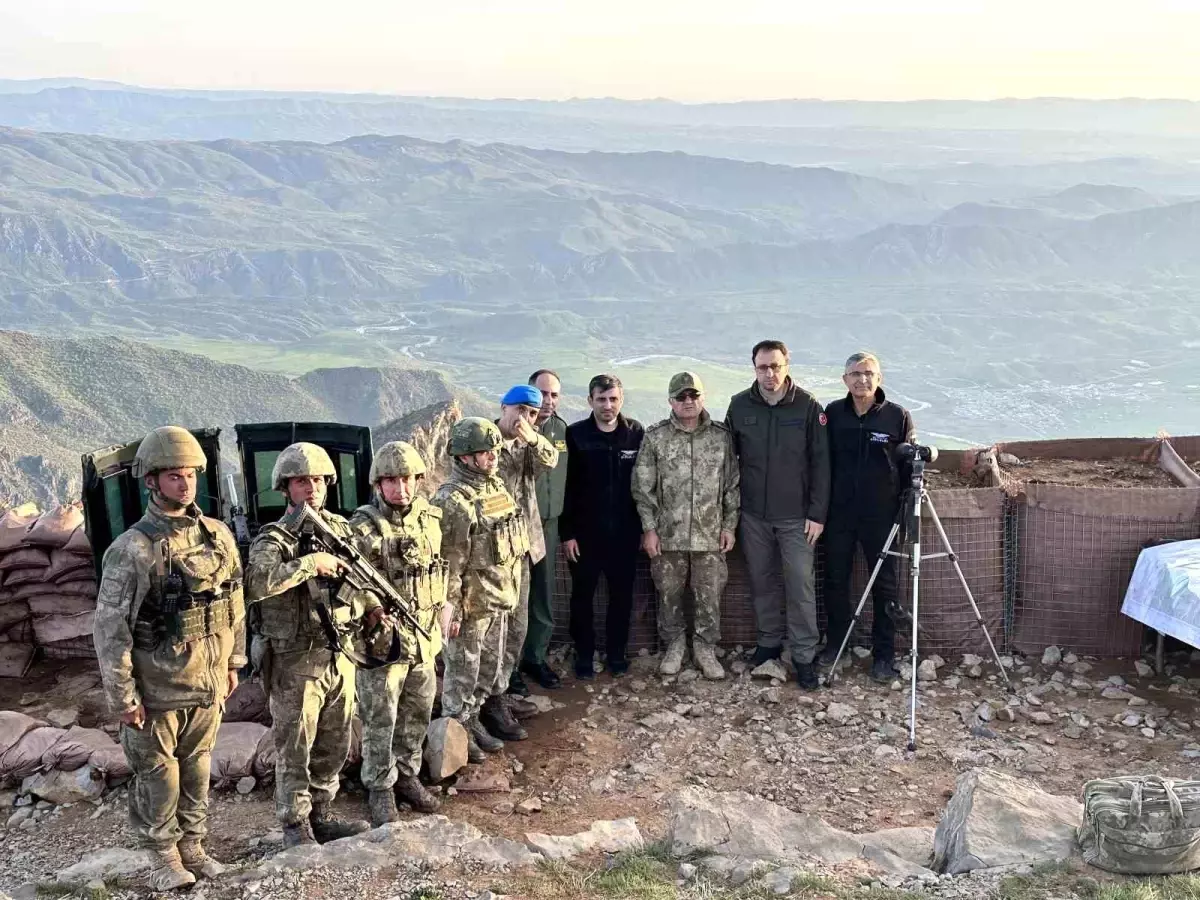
863,601
971,597
916,583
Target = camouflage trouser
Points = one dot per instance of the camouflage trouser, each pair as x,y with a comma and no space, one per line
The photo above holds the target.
170,756
473,664
394,703
311,719
670,571
518,626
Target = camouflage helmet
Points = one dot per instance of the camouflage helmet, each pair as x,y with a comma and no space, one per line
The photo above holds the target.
474,435
396,459
300,460
168,447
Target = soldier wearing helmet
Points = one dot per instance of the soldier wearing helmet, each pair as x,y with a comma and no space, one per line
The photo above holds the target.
484,540
310,686
401,534
170,637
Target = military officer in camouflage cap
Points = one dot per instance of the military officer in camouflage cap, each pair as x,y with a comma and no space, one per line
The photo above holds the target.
685,486
170,637
483,540
401,534
310,686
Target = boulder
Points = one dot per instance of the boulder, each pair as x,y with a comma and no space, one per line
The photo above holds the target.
608,837
914,844
741,827
84,783
434,840
995,819
445,748
110,863
772,668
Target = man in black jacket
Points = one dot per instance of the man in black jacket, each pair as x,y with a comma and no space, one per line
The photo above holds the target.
864,430
599,526
783,453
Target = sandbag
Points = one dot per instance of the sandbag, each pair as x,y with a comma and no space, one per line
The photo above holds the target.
264,757
233,756
51,629
110,759
78,543
53,589
20,577
248,703
13,613
58,605
15,657
78,576
13,727
23,558
63,563
1141,825
54,528
25,756
76,748
14,524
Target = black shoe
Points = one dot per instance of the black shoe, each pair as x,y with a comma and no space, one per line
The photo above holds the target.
618,668
495,717
482,738
762,654
298,833
585,672
475,756
542,674
806,675
517,686
327,827
410,790
828,655
884,671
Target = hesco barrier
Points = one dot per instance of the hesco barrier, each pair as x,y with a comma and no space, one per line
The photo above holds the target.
1047,564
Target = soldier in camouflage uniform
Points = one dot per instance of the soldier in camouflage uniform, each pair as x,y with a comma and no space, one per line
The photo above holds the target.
170,637
524,456
310,686
401,535
685,486
483,540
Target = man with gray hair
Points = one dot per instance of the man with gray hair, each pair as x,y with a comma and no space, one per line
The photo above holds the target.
864,430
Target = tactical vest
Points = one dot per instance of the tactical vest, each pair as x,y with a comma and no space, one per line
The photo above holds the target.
408,562
501,536
191,589
292,616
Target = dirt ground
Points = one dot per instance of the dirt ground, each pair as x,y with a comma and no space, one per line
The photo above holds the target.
1125,473
618,748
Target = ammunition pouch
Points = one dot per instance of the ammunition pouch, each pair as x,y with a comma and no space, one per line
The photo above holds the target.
499,544
184,618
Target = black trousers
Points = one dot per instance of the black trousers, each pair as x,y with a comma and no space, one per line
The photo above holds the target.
616,559
843,536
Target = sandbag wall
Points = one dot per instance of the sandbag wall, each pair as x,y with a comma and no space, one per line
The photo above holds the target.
47,586
1047,564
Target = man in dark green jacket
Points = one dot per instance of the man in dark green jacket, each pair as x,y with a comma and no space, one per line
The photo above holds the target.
550,489
780,439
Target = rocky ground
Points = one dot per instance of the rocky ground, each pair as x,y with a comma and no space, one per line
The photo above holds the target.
613,749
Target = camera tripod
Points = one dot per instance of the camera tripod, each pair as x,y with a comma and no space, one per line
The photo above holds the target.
910,509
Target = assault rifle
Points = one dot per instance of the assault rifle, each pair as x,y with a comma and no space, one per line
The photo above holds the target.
360,574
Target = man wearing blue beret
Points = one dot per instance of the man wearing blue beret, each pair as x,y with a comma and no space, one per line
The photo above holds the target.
524,455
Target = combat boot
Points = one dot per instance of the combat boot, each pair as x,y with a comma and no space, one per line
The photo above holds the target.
706,659
475,756
495,717
520,707
381,805
328,827
298,833
482,737
673,659
410,790
168,873
198,862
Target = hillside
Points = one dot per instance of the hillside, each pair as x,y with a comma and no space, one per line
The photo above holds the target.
61,398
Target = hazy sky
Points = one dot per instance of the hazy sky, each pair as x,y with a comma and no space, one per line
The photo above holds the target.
686,49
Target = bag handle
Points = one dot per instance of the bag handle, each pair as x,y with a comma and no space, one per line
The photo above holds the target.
1168,787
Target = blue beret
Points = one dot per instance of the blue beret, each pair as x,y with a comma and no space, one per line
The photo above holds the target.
522,395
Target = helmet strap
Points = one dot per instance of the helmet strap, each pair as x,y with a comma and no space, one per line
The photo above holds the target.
162,500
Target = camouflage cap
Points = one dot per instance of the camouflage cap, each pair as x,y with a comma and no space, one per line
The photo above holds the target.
168,447
396,459
684,381
301,460
474,435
